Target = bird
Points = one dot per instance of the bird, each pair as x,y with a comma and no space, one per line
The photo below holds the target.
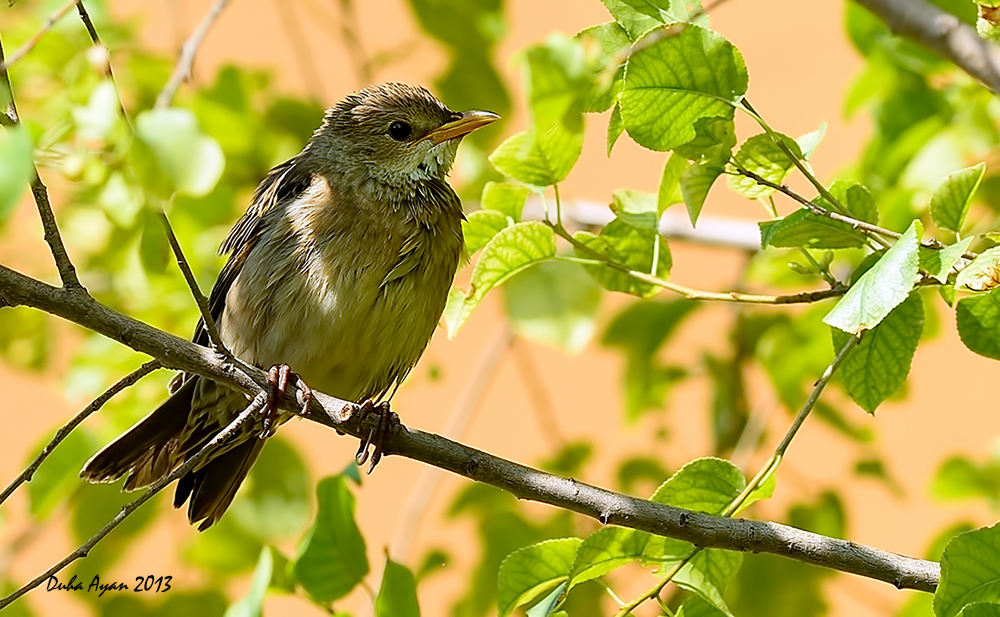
339,268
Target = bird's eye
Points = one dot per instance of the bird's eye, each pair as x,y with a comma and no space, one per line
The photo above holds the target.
399,130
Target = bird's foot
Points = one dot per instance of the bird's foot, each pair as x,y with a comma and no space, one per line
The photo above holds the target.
387,420
278,377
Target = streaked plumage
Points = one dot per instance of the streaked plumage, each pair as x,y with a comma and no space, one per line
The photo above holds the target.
339,268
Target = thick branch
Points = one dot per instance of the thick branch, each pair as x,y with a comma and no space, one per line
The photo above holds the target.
524,482
942,33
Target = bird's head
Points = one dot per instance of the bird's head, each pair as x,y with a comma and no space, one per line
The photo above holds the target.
395,134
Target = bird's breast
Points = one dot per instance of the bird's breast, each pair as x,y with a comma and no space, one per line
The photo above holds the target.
326,301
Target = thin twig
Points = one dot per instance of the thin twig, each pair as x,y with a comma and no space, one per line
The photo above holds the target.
869,228
88,23
254,407
466,405
190,49
25,49
761,476
67,272
690,293
199,297
64,432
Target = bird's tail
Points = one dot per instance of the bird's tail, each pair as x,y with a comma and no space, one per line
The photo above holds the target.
212,486
147,451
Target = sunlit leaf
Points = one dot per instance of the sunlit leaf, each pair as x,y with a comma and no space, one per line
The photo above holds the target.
397,596
331,560
660,103
882,288
534,570
878,366
950,202
970,571
510,251
15,167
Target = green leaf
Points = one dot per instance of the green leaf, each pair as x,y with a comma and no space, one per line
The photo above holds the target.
982,273
635,22
479,228
252,604
938,263
512,250
878,366
696,606
534,570
882,288
504,197
190,161
558,80
761,155
978,321
714,138
16,167
612,547
673,83
981,609
854,197
810,141
950,201
632,247
637,208
546,606
708,574
970,571
696,181
397,596
961,478
615,127
276,503
640,330
224,548
539,158
670,183
331,559
554,302
603,44
803,228
704,485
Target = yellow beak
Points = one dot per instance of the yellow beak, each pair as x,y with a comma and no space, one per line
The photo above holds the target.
463,124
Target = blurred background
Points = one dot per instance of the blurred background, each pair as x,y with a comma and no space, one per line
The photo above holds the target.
618,410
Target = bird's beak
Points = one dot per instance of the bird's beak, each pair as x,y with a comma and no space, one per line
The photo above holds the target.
462,124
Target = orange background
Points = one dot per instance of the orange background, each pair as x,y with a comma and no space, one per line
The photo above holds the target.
800,65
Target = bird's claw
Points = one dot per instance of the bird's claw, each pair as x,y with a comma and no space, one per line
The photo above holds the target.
278,377
376,437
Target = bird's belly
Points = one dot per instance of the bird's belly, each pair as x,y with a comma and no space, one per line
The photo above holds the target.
337,327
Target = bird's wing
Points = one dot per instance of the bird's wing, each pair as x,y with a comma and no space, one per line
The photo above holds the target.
283,183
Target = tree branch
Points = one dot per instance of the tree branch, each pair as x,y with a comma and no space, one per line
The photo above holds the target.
524,482
23,50
942,33
190,49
